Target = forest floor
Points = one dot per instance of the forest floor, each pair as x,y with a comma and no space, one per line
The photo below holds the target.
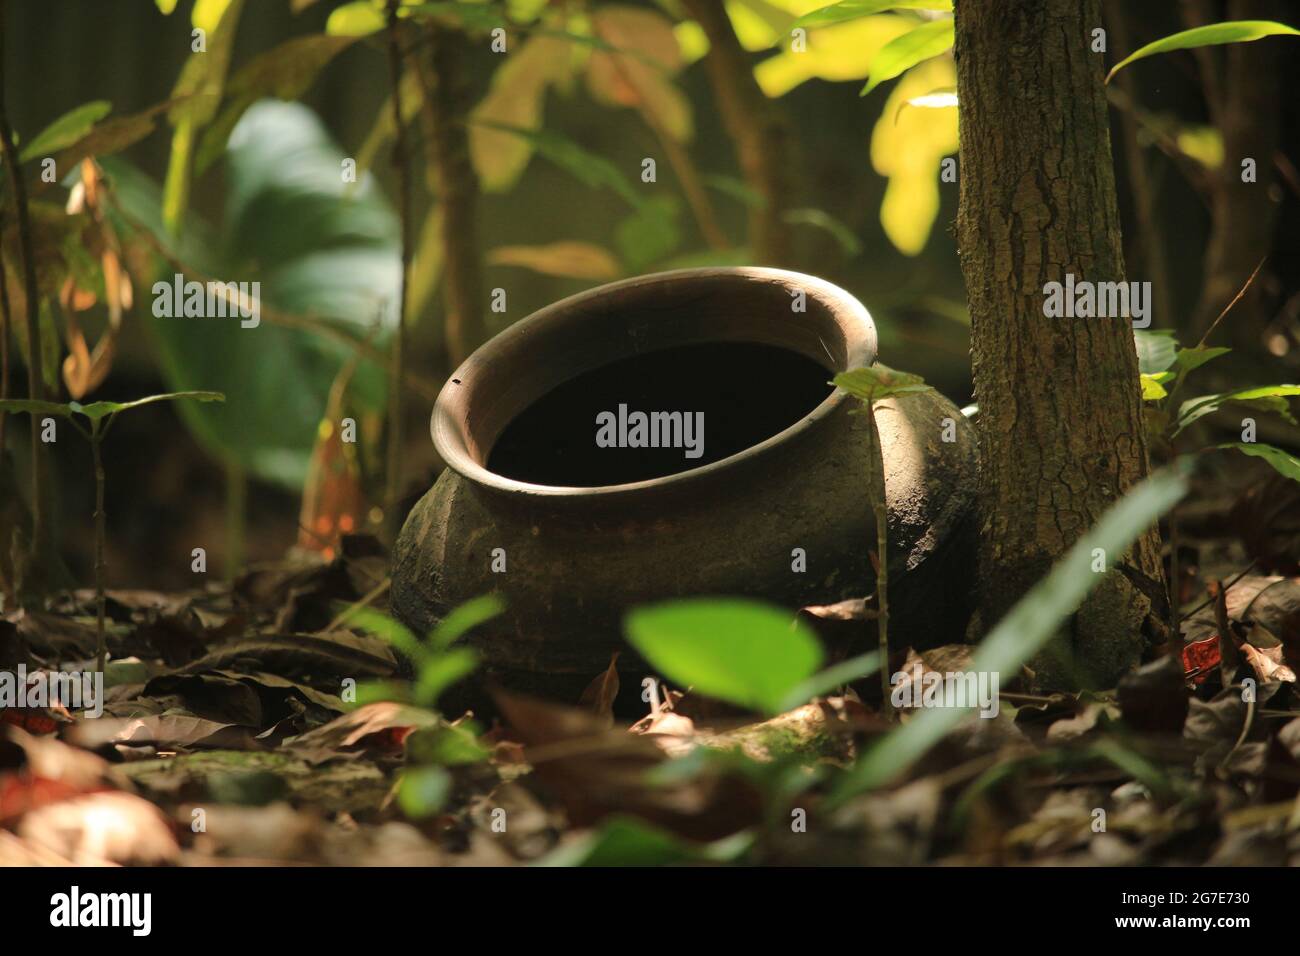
226,739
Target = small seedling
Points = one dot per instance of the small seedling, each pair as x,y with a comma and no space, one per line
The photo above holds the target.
100,416
870,385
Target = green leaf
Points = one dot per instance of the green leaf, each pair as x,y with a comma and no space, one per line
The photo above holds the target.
466,617
66,130
1231,31
1028,627
422,791
1188,360
875,382
853,9
444,746
1267,398
97,410
357,19
649,234
440,671
623,841
388,629
1285,463
1152,389
740,651
36,407
1156,351
927,40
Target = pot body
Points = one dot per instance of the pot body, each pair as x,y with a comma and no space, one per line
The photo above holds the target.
787,521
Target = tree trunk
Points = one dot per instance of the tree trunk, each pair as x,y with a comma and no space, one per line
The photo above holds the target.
1061,429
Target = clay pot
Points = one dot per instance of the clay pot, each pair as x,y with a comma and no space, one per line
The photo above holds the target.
781,473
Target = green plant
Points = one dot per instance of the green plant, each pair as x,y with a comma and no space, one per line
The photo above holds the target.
871,385
100,417
426,783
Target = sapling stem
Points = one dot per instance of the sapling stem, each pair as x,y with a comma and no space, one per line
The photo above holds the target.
101,646
876,466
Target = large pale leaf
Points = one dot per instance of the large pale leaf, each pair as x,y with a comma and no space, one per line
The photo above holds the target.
909,147
1266,398
1156,350
1214,34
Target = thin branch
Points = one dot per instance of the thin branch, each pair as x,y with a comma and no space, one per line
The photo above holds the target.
401,164
1228,308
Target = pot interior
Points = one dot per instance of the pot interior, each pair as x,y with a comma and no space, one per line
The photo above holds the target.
659,413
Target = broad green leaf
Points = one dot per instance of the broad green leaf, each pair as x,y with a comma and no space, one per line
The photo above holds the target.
461,620
853,9
566,259
357,19
926,41
1285,463
1214,34
740,651
319,247
1152,388
471,16
422,791
1267,398
1156,351
65,130
1027,628
874,382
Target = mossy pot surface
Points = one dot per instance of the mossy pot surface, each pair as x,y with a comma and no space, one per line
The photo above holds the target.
779,483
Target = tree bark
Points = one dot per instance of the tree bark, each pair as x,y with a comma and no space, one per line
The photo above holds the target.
1061,429
764,140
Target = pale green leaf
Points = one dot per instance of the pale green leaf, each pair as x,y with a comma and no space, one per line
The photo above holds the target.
926,41
1214,34
1285,463
853,9
66,130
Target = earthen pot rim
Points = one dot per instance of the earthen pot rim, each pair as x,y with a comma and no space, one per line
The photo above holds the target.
479,380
